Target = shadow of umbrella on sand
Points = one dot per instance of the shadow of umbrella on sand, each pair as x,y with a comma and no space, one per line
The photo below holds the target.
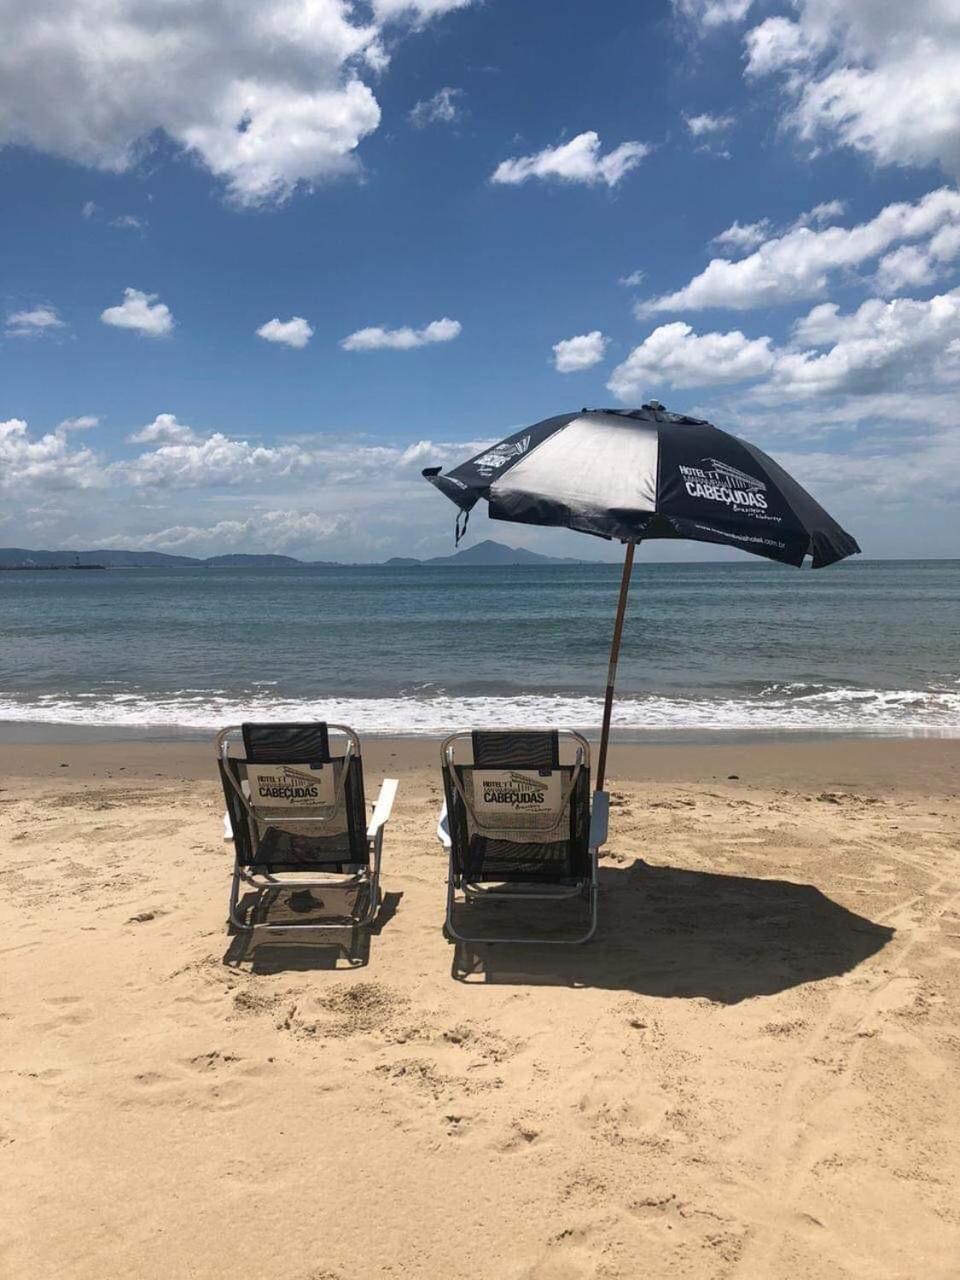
669,932
640,475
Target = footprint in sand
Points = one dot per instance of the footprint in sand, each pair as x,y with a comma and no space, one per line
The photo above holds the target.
211,1061
620,1117
676,1223
522,1135
71,1014
573,1254
213,1080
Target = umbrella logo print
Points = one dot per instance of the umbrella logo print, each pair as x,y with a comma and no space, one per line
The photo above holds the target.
499,456
720,482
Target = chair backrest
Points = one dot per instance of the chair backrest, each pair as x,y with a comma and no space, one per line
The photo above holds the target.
517,789
287,789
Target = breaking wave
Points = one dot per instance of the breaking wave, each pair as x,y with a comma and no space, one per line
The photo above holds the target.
780,708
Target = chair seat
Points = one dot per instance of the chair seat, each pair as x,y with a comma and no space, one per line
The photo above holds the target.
280,850
490,859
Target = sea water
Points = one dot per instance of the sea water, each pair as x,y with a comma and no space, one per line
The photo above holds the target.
860,647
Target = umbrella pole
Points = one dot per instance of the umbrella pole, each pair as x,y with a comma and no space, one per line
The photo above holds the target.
612,669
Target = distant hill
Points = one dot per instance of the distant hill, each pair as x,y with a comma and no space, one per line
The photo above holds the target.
487,553
240,561
492,553
20,558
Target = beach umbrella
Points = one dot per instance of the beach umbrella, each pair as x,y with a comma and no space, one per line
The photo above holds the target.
640,474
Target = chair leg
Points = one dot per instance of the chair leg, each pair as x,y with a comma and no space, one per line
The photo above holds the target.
373,883
236,920
451,901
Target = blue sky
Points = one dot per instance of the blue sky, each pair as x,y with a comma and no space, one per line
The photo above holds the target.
482,178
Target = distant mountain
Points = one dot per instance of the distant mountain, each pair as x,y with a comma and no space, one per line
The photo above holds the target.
482,554
493,553
20,558
487,554
240,561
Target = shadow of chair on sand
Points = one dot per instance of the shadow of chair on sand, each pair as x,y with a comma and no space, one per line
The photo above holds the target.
666,932
268,952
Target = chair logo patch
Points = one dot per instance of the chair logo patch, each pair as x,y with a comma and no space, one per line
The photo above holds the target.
507,791
290,786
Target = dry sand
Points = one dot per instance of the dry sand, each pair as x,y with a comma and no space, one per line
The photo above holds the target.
752,1071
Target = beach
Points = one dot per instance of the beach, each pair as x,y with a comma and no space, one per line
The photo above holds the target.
752,1071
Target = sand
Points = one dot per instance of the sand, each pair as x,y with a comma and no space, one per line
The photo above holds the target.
752,1072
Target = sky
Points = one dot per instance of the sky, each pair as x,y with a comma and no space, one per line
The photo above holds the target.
261,261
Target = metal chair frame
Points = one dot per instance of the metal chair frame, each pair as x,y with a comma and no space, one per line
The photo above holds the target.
475,892
265,883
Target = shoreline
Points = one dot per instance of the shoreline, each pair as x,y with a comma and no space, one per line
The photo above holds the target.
13,732
917,765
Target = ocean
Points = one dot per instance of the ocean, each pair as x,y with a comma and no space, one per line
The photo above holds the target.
863,647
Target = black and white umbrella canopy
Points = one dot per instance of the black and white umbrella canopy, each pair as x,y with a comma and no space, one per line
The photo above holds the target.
642,474
645,474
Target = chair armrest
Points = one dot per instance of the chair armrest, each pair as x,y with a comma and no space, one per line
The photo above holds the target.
443,827
383,807
599,816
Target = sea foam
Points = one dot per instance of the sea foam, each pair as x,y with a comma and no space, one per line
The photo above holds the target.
776,708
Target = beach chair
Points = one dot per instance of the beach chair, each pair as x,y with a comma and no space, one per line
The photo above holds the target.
296,811
518,824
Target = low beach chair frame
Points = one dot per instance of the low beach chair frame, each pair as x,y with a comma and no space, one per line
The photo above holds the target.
366,878
472,892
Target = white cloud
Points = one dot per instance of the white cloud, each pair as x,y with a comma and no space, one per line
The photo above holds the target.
905,267
710,14
416,9
944,246
281,531
25,324
579,160
777,43
819,326
128,222
634,279
89,208
882,346
342,496
883,79
266,96
142,312
880,476
442,108
706,123
164,429
377,338
214,460
825,212
49,461
295,332
674,356
742,236
84,422
799,263
902,346
582,352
